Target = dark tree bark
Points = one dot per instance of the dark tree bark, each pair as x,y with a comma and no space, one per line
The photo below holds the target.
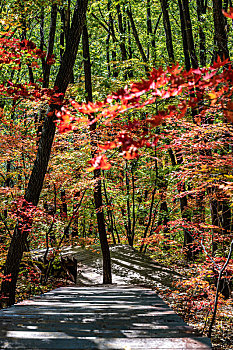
52,31
42,40
225,209
201,10
215,221
150,218
122,33
136,37
109,212
220,34
63,209
8,176
130,51
24,25
153,45
189,34
152,203
64,36
184,37
107,275
129,231
36,180
108,55
185,213
167,28
149,29
112,31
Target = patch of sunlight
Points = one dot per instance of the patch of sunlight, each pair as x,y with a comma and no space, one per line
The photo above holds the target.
37,335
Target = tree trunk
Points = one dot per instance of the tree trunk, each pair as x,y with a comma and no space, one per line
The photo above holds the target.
184,38
185,213
109,212
201,10
107,275
122,33
111,28
129,231
220,33
189,34
36,180
149,29
167,28
136,37
52,31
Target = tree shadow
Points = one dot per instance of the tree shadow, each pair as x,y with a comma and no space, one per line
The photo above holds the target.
96,318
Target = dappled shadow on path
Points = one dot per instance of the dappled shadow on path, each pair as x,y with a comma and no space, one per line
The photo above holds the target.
96,318
128,267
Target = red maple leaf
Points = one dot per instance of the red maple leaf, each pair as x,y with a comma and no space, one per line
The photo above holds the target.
228,14
99,162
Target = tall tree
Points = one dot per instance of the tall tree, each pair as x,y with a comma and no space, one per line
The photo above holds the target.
35,184
107,276
220,34
167,28
201,11
184,37
189,33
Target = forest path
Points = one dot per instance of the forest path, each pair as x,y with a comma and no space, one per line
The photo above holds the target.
92,316
129,267
97,317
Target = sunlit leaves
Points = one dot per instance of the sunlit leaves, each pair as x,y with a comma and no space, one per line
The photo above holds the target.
228,14
211,85
99,162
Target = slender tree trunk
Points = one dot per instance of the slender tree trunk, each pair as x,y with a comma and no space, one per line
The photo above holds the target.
122,33
153,45
52,31
42,40
133,202
109,213
201,10
108,55
215,221
112,31
185,213
107,275
32,194
189,34
149,28
129,231
136,37
167,28
184,37
220,33
130,51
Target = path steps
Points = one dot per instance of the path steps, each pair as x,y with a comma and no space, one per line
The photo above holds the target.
97,317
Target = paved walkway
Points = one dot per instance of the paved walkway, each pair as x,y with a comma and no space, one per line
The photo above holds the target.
96,317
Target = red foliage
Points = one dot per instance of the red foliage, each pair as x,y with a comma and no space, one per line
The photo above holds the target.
203,86
228,14
99,162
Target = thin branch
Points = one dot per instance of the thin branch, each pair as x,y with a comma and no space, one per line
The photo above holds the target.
217,290
104,26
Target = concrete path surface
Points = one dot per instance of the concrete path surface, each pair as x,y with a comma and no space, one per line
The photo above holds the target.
96,317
